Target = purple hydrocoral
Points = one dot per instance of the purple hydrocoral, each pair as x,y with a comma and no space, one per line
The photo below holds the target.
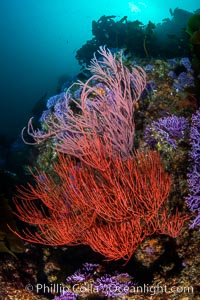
45,115
185,61
84,273
66,295
193,200
52,100
112,286
172,62
166,132
56,104
184,79
149,68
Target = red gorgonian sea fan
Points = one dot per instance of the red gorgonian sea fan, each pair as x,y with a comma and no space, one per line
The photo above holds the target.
102,194
111,210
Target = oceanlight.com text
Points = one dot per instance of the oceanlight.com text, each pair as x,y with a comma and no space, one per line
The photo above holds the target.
117,289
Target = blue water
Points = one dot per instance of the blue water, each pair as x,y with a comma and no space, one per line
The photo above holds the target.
39,40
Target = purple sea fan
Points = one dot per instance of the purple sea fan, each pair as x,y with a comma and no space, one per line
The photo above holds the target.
166,132
193,199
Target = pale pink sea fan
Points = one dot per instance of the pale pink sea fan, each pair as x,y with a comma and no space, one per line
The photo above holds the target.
107,105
